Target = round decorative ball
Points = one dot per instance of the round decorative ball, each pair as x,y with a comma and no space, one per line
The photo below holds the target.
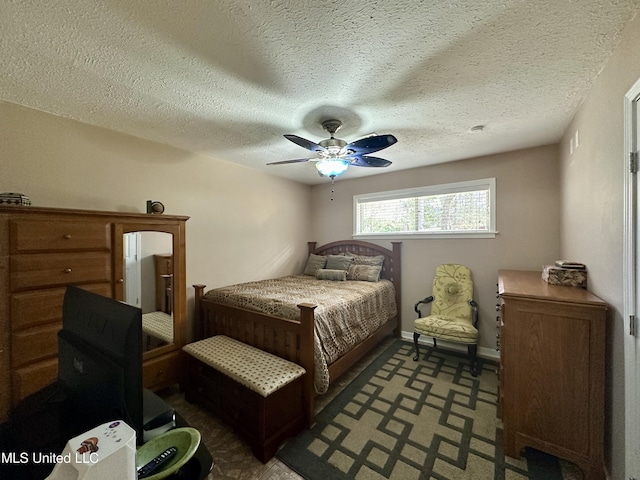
157,207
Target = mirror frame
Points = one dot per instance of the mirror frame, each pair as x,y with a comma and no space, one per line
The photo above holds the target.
179,276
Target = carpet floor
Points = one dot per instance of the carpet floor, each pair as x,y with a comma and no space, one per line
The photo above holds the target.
413,420
389,417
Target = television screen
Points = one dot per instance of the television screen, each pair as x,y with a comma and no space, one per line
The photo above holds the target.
100,360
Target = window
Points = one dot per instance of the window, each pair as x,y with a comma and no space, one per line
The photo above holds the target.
450,210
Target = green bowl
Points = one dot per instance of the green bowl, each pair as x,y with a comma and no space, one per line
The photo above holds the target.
185,439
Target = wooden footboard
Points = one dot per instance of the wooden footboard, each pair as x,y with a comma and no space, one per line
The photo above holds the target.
288,339
293,340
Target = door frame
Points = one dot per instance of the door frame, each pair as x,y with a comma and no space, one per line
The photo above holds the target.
629,267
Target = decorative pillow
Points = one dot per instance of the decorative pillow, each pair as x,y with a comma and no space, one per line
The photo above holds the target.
314,263
339,262
329,274
376,260
454,288
365,273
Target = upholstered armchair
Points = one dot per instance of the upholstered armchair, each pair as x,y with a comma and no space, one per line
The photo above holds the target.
454,313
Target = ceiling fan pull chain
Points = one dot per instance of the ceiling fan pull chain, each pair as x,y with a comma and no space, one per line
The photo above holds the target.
333,179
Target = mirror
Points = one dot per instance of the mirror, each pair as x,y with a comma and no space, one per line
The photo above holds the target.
148,283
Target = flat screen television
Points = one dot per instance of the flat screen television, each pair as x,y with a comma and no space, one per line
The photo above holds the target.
100,360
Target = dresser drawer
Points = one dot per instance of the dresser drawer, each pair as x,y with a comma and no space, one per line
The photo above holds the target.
48,270
30,379
34,344
39,307
58,236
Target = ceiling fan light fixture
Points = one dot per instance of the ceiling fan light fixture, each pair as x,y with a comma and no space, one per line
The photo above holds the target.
332,167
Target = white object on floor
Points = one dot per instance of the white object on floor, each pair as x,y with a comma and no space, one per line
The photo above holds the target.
105,452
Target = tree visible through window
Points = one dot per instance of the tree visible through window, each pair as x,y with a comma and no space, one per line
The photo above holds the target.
466,207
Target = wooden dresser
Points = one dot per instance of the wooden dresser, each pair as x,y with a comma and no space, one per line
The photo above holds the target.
44,249
552,369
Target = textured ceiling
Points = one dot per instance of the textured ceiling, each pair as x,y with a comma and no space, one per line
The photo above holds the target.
228,78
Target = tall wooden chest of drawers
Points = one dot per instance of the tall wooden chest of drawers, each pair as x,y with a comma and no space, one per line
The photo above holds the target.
552,369
42,250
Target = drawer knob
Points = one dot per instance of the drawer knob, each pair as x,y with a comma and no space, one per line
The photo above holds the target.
121,280
67,270
67,236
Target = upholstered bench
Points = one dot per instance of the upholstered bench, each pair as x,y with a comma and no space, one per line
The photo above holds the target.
258,394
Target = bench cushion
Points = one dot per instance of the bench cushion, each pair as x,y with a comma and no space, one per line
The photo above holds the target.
159,325
254,368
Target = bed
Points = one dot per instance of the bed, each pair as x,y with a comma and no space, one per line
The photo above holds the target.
288,329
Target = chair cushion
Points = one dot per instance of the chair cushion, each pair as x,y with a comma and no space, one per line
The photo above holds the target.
448,328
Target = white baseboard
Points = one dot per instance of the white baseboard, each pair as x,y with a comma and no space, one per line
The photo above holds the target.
483,352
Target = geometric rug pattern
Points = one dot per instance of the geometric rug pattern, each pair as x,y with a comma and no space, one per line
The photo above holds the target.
402,419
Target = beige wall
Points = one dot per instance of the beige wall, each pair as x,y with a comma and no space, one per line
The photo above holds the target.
527,219
592,188
244,224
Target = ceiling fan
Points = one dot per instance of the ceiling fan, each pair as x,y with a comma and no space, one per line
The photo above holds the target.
335,155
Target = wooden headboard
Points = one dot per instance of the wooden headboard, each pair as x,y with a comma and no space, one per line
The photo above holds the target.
391,269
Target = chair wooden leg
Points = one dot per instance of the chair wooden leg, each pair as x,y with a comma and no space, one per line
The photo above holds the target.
473,358
416,335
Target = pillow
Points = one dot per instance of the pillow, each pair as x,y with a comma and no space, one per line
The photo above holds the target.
376,260
454,289
314,263
339,262
365,273
329,274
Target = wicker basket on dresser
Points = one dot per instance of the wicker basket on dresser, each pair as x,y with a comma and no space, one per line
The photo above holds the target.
552,375
44,249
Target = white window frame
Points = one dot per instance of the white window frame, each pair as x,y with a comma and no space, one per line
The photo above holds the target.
466,186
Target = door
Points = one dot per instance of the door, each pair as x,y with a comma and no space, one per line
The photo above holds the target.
132,269
632,284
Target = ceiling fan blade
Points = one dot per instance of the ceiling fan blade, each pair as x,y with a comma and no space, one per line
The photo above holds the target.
298,160
303,142
371,144
365,161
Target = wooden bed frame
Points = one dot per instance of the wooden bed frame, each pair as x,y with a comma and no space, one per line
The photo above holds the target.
293,340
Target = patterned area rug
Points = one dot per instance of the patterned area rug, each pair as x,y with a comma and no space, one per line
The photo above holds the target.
401,419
